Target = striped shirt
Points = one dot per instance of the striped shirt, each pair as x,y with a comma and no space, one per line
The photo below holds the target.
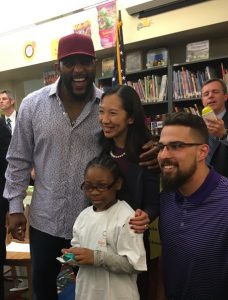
44,137
194,234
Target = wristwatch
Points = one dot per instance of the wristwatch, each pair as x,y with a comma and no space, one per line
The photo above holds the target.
224,135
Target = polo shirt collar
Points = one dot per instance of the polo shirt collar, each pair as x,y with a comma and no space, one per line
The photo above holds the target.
204,190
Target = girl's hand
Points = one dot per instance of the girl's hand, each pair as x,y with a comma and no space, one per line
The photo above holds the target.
83,256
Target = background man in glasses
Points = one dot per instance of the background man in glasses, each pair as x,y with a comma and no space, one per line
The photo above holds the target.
214,94
193,213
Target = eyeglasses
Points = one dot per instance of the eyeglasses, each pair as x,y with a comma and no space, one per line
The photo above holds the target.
215,92
100,187
175,146
83,60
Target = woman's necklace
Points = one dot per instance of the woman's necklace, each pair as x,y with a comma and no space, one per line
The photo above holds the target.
116,156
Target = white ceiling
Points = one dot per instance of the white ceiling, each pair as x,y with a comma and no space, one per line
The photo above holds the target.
27,12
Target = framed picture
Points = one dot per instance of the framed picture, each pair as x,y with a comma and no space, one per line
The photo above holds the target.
156,58
197,51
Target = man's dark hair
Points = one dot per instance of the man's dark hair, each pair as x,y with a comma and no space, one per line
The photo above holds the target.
196,123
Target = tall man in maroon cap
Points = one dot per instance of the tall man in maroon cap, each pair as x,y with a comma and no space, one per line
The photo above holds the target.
57,133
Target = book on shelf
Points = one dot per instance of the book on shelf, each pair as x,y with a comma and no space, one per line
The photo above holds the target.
196,93
186,91
154,88
142,89
224,72
163,88
157,124
139,88
146,88
177,85
136,86
107,66
134,61
210,73
188,85
151,89
197,110
193,109
197,51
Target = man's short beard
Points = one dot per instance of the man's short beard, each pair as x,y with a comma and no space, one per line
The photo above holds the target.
79,97
170,184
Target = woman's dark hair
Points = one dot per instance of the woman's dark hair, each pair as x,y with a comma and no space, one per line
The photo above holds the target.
138,134
105,161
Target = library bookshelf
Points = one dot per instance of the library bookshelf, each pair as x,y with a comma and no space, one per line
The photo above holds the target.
173,87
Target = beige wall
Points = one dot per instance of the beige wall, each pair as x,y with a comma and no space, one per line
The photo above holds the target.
164,24
198,15
190,17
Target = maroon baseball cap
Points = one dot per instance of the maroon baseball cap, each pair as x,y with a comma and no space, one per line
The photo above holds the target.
75,44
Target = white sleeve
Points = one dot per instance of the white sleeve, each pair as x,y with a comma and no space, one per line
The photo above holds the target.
130,257
113,262
75,239
131,245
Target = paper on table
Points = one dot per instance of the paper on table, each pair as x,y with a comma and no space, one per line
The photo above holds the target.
17,247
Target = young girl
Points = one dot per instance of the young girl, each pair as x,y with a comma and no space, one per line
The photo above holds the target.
124,133
108,252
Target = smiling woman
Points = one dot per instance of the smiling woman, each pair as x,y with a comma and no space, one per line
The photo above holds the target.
123,134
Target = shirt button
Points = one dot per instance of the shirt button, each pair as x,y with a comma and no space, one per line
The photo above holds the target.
182,224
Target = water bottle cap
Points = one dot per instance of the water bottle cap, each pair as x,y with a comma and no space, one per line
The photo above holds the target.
206,110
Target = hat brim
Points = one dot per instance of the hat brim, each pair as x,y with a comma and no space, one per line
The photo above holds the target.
76,53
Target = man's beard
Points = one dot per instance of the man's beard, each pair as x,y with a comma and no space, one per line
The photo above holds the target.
79,96
172,183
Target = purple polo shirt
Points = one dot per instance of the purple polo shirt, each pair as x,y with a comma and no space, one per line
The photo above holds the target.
194,234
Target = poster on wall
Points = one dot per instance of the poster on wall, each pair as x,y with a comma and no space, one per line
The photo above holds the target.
83,28
107,23
54,49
